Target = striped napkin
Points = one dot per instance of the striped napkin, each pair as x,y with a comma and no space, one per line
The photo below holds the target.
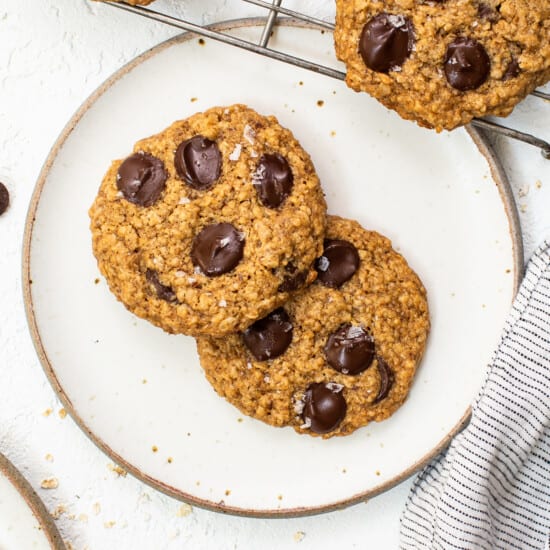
491,488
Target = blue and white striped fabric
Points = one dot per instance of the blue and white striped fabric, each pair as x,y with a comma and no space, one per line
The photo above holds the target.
491,488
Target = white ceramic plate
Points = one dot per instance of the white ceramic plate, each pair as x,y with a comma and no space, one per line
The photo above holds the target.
141,395
24,520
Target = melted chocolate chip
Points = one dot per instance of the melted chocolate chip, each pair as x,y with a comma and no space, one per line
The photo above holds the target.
163,292
512,70
338,263
350,349
4,198
198,162
386,380
467,64
269,337
217,249
141,179
273,180
386,42
324,407
294,280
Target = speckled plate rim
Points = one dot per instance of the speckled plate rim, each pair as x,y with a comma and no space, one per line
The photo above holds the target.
499,177
33,501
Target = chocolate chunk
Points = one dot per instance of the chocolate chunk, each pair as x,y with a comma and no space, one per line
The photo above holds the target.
4,198
217,249
141,179
386,380
487,12
512,70
350,349
273,179
386,42
269,337
163,292
294,280
467,64
324,407
338,263
198,162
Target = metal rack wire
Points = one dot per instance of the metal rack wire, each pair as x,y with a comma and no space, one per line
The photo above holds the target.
274,11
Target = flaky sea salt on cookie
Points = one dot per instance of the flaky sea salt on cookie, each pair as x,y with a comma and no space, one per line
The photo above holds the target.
210,224
338,355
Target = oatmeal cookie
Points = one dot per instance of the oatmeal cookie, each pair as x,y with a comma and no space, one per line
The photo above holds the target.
443,62
338,355
210,224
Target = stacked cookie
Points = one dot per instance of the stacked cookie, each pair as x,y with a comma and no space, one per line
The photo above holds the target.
217,228
443,62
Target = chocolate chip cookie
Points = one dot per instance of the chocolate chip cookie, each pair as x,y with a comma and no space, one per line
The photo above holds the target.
338,355
443,62
211,224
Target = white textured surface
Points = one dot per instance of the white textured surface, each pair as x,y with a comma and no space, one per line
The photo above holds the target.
52,55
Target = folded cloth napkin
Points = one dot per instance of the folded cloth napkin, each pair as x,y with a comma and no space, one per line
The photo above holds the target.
491,488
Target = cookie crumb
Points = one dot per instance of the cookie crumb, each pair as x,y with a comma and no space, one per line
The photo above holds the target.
96,281
169,460
538,184
59,511
227,492
184,510
523,191
47,412
49,457
299,536
201,41
62,413
120,472
49,483
154,448
320,103
109,524
193,99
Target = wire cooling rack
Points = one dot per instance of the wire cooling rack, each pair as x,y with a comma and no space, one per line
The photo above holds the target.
274,12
